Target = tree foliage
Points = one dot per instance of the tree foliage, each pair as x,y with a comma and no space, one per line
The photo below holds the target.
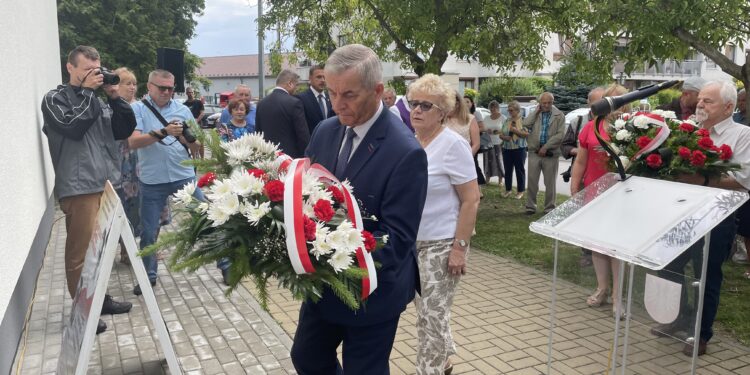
570,98
582,67
422,33
669,29
128,32
504,89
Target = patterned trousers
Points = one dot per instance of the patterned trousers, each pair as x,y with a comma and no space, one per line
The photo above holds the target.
434,306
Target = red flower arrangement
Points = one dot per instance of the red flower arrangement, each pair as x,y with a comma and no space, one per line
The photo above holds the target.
658,145
206,179
274,190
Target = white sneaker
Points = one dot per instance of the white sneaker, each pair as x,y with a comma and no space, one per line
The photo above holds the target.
740,255
506,194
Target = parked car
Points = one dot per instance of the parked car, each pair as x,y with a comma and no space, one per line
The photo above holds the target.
572,115
526,110
211,114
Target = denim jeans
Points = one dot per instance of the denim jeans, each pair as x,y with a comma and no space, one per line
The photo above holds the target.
153,199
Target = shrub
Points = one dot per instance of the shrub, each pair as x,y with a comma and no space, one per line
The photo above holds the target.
503,89
471,93
570,98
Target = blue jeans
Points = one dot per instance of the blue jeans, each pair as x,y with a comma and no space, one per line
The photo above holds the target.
153,199
514,160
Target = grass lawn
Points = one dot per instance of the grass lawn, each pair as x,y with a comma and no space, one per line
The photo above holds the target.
503,229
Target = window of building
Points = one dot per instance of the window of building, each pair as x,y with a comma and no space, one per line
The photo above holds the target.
465,83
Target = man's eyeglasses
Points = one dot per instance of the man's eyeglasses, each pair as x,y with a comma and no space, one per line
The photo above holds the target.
162,88
424,106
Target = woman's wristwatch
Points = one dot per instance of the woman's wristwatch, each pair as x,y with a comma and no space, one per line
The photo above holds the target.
464,245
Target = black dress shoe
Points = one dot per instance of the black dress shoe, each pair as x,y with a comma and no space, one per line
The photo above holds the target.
101,327
137,290
688,349
111,306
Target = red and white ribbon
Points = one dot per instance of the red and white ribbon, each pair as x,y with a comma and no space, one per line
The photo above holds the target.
661,135
293,219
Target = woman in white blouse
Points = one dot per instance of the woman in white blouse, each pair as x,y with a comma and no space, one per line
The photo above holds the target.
447,220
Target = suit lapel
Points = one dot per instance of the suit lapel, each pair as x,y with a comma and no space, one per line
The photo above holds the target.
368,146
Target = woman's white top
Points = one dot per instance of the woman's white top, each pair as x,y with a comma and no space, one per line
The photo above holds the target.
449,163
496,124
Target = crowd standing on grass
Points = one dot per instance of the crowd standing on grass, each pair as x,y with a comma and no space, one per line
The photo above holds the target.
417,154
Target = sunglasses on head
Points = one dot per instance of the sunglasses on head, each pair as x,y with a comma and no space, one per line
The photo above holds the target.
424,106
163,88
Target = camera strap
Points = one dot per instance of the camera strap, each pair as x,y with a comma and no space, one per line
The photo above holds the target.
164,123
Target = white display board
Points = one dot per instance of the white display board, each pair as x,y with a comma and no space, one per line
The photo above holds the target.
80,330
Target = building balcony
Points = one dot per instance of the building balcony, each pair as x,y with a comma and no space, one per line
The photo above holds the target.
665,70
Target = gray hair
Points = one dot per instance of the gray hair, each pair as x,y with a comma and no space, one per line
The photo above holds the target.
389,90
595,90
361,59
241,86
546,93
161,73
493,104
515,105
286,76
727,90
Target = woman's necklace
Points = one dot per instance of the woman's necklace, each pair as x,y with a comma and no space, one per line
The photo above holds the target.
424,141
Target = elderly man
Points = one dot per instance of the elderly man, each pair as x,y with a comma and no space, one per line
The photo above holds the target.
315,100
546,127
382,160
242,92
716,102
281,116
685,105
81,132
162,147
389,97
740,117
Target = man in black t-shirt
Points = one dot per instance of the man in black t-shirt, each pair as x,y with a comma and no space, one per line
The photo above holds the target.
195,105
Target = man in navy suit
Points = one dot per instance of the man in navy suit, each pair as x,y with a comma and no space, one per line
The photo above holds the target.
388,170
280,116
315,100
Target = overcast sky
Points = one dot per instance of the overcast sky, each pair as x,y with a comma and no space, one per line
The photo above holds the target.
228,28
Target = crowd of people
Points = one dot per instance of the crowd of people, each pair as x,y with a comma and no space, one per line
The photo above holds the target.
414,161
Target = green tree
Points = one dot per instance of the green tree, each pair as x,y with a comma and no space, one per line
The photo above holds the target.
580,66
504,89
422,33
669,29
128,32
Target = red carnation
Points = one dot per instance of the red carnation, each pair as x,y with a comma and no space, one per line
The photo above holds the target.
654,161
338,196
687,127
309,227
725,152
257,173
706,143
370,242
206,179
702,133
684,152
323,210
643,141
698,158
274,190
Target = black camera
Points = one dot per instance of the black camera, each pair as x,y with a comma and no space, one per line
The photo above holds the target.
566,175
189,137
110,78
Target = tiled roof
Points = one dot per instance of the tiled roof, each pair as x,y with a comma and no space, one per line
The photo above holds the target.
235,66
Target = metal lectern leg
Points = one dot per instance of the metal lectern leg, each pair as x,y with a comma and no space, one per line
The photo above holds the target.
552,310
699,304
618,311
627,317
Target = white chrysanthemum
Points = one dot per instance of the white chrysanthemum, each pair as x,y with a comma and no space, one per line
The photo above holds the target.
339,238
348,186
669,114
658,112
340,260
619,124
219,189
623,135
256,142
185,195
230,204
254,211
217,215
308,210
237,154
245,184
641,122
318,194
320,246
203,207
615,148
625,161
310,184
691,121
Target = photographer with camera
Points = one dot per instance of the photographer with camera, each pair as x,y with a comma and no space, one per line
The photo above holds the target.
81,133
546,127
162,147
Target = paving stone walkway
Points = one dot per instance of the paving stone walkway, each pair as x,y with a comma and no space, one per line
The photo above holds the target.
500,325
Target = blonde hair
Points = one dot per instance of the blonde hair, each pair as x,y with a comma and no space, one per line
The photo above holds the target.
460,111
430,84
126,75
616,90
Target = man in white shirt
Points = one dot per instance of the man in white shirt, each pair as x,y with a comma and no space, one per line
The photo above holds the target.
716,102
315,100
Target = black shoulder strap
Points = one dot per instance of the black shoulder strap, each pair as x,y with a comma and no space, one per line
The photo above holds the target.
155,112
578,126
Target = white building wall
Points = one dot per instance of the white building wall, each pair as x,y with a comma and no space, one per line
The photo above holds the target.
30,68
